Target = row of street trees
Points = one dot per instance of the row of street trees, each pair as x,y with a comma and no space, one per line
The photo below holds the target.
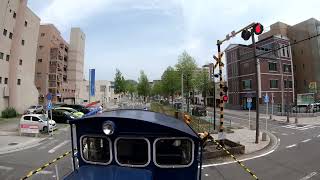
185,72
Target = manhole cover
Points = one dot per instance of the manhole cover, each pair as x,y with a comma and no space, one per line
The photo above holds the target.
12,144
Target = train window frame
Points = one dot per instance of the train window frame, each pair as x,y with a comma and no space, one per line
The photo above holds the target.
173,166
96,136
132,165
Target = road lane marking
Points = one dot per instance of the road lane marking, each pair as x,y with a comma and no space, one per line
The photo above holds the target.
58,146
45,172
47,145
318,135
284,134
306,140
309,176
6,168
206,174
293,145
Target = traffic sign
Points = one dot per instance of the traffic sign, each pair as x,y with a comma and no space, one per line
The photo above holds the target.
49,96
49,105
249,105
249,100
266,98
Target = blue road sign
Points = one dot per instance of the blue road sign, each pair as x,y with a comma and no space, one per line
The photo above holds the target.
249,105
49,96
266,99
92,81
49,105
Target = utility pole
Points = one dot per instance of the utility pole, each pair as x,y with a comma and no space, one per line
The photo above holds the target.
182,95
257,84
214,99
287,96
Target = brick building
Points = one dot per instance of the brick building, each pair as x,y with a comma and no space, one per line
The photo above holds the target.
275,72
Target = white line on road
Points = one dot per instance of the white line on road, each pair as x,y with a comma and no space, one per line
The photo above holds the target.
45,172
6,168
49,144
309,176
206,174
293,145
318,135
58,146
284,134
306,140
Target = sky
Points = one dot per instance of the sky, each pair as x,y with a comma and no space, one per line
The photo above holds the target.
149,35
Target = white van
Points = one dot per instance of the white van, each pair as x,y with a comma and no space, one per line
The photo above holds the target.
40,120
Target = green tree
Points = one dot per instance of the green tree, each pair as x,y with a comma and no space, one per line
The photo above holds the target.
157,89
171,82
186,66
143,85
202,83
131,87
119,83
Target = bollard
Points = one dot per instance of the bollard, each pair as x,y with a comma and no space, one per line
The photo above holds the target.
176,114
57,172
296,120
264,136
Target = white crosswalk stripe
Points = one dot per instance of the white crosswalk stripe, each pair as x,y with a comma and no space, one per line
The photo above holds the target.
301,128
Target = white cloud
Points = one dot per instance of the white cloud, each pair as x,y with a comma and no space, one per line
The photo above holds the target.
64,13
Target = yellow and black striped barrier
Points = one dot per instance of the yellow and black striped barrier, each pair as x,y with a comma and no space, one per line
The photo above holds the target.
239,162
45,166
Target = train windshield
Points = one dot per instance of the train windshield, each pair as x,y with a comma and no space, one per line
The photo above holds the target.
132,151
173,152
96,150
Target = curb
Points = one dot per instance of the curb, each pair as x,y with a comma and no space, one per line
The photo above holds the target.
23,147
271,147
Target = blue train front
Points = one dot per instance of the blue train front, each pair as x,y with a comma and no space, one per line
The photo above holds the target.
135,145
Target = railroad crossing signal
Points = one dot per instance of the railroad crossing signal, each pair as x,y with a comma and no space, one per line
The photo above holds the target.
257,29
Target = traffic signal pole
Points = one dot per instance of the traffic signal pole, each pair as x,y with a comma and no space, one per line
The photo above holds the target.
221,129
257,90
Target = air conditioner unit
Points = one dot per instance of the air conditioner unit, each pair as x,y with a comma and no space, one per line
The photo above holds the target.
5,91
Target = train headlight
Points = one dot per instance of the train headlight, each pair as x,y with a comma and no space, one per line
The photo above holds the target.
108,127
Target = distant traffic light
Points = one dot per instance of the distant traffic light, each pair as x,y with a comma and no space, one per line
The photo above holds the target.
258,28
245,34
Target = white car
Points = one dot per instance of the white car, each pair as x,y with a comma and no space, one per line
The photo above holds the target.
34,110
40,120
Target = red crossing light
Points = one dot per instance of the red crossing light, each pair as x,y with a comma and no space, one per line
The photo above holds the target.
258,28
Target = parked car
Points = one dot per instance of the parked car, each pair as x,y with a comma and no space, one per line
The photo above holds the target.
40,120
61,116
199,111
77,107
74,112
35,110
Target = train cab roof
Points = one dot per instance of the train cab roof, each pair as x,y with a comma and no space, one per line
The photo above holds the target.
133,121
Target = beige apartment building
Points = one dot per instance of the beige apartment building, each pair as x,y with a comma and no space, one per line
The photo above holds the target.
305,54
19,28
59,64
104,92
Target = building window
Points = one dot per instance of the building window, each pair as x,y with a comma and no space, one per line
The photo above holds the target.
19,82
20,62
14,14
287,84
247,84
0,80
39,60
288,54
273,83
272,66
43,34
40,47
25,23
10,35
1,55
5,32
283,51
22,42
5,80
286,68
8,57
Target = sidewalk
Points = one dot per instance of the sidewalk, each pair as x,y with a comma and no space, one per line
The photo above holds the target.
246,137
10,141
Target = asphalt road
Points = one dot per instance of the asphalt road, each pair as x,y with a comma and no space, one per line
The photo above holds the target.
297,157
